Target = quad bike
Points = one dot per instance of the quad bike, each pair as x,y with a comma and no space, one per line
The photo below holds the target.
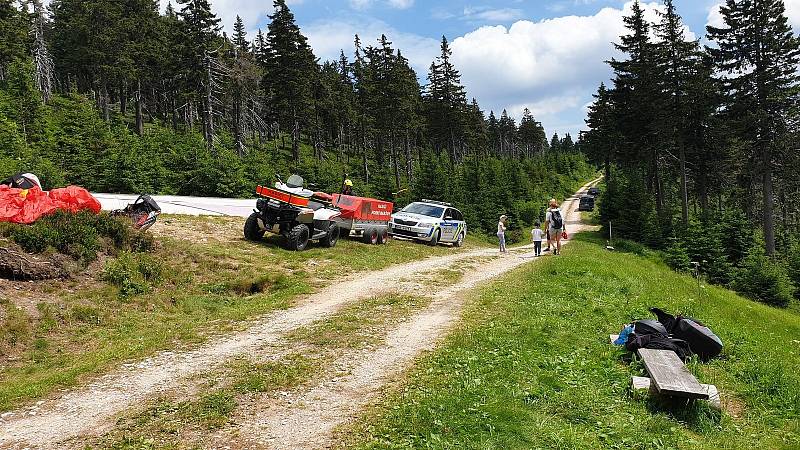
298,214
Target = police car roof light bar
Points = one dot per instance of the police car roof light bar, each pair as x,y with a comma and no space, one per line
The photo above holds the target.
425,200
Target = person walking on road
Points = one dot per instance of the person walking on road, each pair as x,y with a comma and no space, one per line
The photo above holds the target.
501,233
536,237
554,223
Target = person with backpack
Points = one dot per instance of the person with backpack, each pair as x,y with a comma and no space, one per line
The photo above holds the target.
554,223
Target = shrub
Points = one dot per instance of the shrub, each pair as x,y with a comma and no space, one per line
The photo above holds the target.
675,256
763,279
793,265
78,234
133,273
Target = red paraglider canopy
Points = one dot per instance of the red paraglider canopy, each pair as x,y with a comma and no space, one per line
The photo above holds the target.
28,205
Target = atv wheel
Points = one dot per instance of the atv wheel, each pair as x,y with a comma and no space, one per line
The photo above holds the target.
252,232
460,241
435,239
332,237
297,240
383,235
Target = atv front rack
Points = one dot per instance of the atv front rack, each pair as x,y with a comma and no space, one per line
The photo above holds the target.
281,196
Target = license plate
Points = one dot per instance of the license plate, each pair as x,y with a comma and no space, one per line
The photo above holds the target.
402,228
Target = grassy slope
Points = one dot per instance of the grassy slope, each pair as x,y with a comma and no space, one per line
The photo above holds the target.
531,366
86,328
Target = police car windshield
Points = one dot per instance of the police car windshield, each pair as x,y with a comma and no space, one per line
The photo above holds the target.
424,210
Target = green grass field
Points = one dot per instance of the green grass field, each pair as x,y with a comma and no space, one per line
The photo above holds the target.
531,366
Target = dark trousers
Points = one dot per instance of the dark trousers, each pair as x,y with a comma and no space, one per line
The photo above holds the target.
537,247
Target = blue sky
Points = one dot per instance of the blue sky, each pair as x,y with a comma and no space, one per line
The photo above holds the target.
544,55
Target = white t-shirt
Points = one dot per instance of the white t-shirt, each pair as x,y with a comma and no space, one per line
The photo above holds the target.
536,234
501,228
550,218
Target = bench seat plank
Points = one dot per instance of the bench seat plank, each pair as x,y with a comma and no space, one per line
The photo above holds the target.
670,376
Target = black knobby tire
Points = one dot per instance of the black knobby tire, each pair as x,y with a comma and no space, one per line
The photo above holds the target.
435,239
383,235
459,241
297,240
332,237
367,236
252,232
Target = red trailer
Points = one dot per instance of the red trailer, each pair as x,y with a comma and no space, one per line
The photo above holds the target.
365,217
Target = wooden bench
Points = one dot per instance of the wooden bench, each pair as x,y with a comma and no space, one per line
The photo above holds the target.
669,377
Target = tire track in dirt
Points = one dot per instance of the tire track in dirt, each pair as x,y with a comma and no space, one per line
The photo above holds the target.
309,419
90,410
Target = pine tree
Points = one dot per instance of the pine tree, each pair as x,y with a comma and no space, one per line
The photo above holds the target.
446,102
240,36
638,98
757,57
680,68
14,42
289,62
200,31
601,138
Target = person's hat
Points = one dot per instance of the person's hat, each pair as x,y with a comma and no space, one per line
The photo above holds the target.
348,183
503,217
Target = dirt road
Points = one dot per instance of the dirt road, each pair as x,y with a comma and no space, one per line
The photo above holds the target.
91,410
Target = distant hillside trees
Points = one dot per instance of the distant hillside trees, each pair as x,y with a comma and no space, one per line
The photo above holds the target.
169,103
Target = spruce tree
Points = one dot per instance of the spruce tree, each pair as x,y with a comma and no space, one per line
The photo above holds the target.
289,63
240,36
637,96
13,30
756,57
679,62
446,102
601,138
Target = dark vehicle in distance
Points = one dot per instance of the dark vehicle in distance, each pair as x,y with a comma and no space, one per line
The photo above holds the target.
586,203
593,191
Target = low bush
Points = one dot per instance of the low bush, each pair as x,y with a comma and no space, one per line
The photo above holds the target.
79,235
133,273
793,265
765,280
676,257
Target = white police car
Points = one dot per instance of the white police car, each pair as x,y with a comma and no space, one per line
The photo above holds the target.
429,221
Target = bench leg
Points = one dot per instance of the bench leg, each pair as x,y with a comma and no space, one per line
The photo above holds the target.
641,387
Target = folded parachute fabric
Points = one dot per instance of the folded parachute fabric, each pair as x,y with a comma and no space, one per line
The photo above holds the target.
74,198
26,206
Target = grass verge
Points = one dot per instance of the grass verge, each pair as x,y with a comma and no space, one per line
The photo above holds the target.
531,366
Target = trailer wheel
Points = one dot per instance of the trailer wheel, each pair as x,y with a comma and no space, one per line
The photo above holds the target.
383,235
297,240
370,236
252,232
332,237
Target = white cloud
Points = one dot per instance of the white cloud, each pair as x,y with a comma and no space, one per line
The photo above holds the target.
401,4
328,37
485,14
551,66
360,4
714,17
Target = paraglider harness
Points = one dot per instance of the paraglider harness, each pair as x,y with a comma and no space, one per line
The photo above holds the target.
143,212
